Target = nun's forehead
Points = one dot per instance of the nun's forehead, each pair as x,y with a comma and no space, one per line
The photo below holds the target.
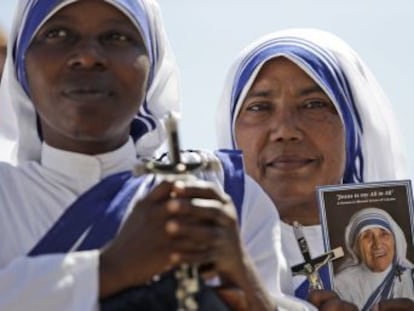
130,12
367,228
303,66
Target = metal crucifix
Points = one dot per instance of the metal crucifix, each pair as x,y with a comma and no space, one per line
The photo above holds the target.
177,169
310,268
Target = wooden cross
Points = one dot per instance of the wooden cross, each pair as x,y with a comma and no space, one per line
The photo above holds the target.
176,169
310,268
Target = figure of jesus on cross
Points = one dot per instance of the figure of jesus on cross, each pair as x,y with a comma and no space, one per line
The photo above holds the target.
311,266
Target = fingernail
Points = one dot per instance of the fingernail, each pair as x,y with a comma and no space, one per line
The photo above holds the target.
175,258
179,184
171,227
173,206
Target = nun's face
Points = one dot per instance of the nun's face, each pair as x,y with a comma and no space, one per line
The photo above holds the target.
87,70
292,138
376,248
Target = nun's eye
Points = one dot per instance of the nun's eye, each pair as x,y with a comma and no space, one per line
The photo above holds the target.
119,37
116,38
56,33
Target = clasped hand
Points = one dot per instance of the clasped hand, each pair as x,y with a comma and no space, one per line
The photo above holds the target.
175,223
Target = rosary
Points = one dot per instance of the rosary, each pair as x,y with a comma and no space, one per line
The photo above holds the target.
176,170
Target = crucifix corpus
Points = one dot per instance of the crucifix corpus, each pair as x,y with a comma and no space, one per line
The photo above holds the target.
311,266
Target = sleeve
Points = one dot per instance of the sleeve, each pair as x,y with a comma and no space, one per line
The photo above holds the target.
261,235
67,282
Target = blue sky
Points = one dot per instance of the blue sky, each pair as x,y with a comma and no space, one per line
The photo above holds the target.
207,34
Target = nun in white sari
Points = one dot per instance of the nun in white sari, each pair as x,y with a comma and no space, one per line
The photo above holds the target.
387,273
372,146
59,206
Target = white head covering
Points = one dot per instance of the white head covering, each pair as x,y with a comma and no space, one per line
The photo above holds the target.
19,138
373,151
375,218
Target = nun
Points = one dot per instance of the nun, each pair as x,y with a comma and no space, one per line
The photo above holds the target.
86,90
306,111
379,268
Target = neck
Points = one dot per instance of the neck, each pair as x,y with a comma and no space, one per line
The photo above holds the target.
87,147
306,213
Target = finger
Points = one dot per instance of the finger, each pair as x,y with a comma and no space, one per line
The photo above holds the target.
227,207
190,235
202,211
199,189
153,205
192,258
221,260
159,193
185,245
187,236
199,245
319,297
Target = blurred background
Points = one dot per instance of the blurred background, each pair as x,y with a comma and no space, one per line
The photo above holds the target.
207,34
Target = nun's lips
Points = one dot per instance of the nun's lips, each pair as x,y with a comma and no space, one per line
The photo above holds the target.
87,93
289,162
379,253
